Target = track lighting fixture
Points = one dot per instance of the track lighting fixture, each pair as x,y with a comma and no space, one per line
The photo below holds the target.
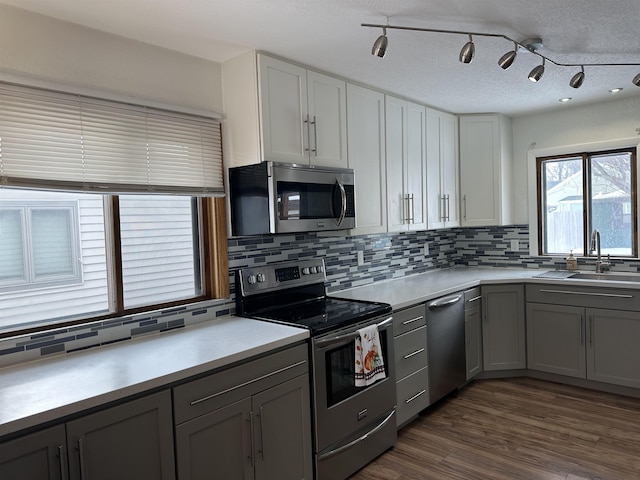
508,58
577,80
468,51
536,74
380,45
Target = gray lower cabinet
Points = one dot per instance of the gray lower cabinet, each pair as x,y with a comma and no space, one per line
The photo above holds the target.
38,456
249,422
503,327
568,335
556,339
412,374
473,331
130,441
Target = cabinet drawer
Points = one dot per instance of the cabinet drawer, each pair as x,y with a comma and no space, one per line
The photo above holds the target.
408,319
410,352
219,389
593,297
412,395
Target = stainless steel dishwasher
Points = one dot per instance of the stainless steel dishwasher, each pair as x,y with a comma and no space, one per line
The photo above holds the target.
445,345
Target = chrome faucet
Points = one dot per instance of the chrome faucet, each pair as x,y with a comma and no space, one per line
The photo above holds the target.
595,245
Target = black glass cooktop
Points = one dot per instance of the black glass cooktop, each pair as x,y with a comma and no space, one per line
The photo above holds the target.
324,314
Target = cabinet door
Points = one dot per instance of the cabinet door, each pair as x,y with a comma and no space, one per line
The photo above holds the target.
556,339
416,166
485,152
38,456
613,355
503,327
442,169
327,99
283,432
396,153
473,338
218,445
366,142
128,442
283,111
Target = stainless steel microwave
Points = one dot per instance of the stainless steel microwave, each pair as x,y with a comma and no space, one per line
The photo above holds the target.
272,197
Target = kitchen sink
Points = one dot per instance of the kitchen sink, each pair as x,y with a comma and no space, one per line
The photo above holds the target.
612,277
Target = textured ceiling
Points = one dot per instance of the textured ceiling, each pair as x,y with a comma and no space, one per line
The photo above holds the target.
326,34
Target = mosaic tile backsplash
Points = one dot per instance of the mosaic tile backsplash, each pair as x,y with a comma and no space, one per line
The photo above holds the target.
385,256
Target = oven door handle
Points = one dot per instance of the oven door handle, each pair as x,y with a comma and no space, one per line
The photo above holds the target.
347,446
350,335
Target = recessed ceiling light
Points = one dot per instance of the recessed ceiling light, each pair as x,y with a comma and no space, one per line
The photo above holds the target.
615,90
565,99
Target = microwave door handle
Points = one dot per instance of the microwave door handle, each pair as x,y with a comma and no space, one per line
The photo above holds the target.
343,202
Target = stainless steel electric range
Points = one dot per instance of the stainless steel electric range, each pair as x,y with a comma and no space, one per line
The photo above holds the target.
352,425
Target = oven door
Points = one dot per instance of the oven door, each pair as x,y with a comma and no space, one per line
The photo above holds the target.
312,199
341,408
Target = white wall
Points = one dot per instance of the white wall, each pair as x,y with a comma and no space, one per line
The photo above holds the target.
47,49
600,123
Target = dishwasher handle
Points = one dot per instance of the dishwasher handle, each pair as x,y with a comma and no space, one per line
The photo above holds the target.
445,301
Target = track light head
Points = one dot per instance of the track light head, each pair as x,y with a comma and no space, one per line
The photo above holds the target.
636,80
577,80
468,51
380,45
508,58
536,74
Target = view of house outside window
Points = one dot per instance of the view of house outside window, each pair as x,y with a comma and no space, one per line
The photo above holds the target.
54,254
580,193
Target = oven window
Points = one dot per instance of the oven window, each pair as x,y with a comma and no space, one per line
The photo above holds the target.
340,370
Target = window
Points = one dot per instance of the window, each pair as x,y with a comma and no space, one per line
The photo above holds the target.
580,193
38,244
111,209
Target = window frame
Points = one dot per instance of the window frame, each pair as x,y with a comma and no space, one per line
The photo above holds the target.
212,239
586,156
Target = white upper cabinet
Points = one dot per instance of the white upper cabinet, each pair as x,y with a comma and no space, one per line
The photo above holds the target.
365,120
406,165
442,169
303,115
485,169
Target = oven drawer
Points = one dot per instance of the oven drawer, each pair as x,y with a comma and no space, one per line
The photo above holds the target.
408,319
413,395
230,385
411,352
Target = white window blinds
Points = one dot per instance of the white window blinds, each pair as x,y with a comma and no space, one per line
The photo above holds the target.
72,142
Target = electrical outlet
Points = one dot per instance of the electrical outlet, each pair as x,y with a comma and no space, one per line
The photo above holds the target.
426,249
360,256
515,245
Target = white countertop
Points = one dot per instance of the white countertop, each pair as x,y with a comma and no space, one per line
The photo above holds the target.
36,392
410,290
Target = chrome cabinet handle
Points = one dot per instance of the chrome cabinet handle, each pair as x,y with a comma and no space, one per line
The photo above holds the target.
80,448
412,210
315,136
474,299
590,294
373,431
443,208
306,122
448,209
61,461
406,216
464,206
409,355
253,441
409,400
407,322
261,451
254,380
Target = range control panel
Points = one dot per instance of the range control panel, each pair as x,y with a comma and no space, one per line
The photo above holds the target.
279,276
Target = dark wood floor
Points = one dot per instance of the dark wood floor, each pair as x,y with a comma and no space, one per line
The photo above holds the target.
518,428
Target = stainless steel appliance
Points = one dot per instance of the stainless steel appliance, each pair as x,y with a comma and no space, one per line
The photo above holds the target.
445,346
282,198
352,425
